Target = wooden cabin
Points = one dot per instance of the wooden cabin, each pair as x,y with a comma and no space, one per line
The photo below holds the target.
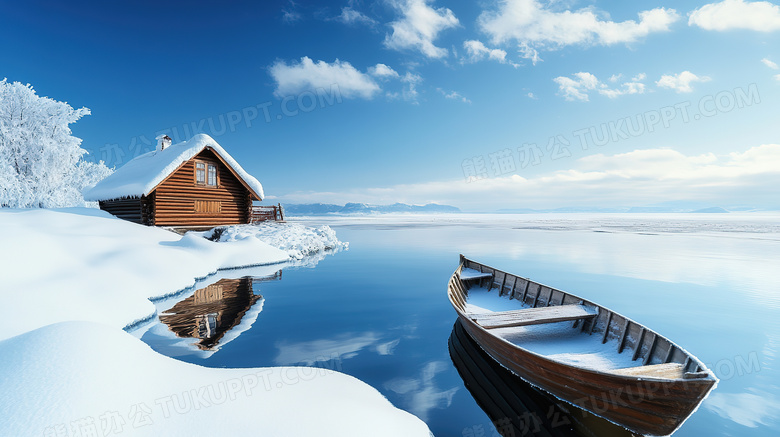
193,184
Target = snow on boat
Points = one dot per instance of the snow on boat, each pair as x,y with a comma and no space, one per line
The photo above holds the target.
579,351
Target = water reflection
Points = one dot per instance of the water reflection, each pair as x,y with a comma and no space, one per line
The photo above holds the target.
751,409
421,395
218,312
515,407
341,347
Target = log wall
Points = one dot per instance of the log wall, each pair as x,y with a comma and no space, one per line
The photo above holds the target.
134,210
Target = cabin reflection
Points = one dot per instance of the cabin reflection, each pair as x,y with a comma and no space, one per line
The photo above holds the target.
214,310
515,407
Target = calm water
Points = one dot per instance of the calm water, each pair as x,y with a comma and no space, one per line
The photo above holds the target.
379,311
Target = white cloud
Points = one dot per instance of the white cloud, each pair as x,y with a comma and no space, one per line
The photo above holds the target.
419,27
453,95
409,92
770,64
534,26
577,87
383,71
777,77
289,14
626,88
629,179
737,14
477,51
308,75
681,83
527,52
351,16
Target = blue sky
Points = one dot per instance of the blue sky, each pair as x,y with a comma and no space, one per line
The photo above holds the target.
483,105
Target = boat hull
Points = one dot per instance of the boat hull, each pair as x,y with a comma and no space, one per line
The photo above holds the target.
647,406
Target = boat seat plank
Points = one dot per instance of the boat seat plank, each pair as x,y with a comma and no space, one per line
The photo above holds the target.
533,316
663,371
470,274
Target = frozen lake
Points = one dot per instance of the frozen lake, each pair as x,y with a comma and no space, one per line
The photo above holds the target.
379,311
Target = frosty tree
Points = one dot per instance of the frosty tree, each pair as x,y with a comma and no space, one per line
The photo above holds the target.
40,161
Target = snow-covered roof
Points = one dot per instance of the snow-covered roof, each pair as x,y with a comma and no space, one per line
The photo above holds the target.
141,175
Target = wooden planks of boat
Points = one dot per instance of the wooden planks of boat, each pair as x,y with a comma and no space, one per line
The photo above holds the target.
638,378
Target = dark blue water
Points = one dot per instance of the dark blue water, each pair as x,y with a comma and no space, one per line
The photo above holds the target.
379,312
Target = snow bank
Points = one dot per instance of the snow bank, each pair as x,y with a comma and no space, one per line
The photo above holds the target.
81,378
84,264
143,173
296,240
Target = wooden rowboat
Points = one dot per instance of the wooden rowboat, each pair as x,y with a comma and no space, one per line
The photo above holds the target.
579,351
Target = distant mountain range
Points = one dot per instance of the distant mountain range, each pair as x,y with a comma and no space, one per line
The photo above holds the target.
308,209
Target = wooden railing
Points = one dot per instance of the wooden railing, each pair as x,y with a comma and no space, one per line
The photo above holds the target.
265,213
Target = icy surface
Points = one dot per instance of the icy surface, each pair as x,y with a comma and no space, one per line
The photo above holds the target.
764,224
297,240
82,378
557,341
142,174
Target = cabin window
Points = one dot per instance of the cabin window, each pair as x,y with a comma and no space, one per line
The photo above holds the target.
200,173
212,175
205,173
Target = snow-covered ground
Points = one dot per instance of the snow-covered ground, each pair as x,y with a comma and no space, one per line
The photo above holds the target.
73,278
87,379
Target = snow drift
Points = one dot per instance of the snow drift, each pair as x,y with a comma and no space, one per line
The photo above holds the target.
81,378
